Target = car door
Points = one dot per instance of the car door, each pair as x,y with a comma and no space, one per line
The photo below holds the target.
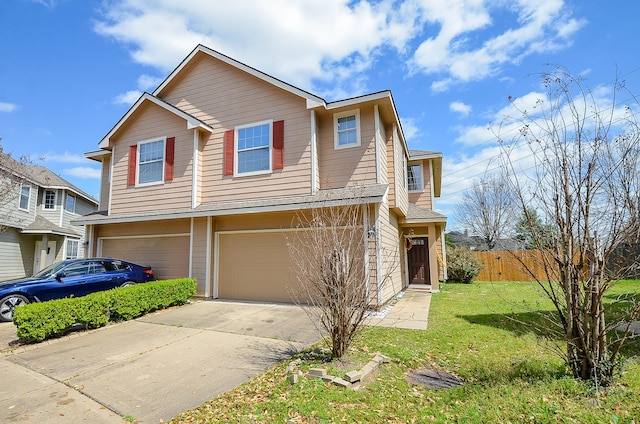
70,281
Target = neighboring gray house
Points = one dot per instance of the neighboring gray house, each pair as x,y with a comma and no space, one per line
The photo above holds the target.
36,209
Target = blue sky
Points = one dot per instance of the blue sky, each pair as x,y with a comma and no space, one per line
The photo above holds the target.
69,69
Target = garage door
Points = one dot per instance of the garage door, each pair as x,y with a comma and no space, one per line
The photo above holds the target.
167,256
254,266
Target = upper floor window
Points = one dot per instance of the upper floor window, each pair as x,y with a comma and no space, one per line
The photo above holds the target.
151,161
70,203
25,196
414,177
346,129
50,200
254,148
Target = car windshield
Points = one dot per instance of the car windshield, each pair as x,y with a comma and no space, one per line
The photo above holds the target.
50,270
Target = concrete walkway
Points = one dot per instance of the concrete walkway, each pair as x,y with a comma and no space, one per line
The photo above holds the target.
410,311
160,365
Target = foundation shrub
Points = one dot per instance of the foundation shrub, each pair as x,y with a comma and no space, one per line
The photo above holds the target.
462,265
39,321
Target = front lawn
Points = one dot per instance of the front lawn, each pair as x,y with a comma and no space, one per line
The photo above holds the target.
511,376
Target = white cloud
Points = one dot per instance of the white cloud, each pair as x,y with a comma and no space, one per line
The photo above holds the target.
83,172
65,157
410,128
460,107
127,98
300,42
328,45
455,52
7,107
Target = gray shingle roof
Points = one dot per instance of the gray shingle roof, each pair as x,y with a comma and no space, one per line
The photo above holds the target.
418,214
42,225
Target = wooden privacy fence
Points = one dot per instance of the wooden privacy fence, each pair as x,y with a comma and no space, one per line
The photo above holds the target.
506,265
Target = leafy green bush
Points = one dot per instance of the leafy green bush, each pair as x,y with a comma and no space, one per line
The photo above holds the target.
39,321
462,265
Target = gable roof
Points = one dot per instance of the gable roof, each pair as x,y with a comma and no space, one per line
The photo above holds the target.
43,226
436,163
40,176
192,122
312,100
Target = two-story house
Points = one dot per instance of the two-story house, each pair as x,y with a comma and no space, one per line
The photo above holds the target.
35,218
204,176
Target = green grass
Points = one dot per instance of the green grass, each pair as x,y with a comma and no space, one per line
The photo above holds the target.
511,374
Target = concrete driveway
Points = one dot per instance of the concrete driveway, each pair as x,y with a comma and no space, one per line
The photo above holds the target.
152,368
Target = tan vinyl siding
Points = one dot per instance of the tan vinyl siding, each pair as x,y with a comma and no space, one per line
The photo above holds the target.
347,166
400,172
425,197
225,97
199,252
390,254
175,226
105,185
389,150
152,122
381,146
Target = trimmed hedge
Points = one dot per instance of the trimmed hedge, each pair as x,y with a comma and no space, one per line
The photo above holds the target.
39,321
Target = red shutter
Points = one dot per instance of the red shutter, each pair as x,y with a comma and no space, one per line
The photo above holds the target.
229,147
278,145
168,158
133,162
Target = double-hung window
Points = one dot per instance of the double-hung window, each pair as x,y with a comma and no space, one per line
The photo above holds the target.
414,172
254,148
72,249
50,200
150,161
70,203
25,196
346,129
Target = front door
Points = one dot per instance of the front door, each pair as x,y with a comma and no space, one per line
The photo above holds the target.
42,257
418,258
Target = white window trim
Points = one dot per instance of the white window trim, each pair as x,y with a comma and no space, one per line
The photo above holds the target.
66,250
421,189
75,202
358,142
28,198
55,200
235,149
164,161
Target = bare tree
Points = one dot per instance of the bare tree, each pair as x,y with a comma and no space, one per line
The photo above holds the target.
584,176
330,256
12,174
488,209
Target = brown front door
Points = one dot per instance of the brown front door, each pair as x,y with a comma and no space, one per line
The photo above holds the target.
418,258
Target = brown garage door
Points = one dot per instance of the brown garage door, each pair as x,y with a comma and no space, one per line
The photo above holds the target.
254,266
167,256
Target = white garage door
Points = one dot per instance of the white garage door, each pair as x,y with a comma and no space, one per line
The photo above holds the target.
167,256
254,266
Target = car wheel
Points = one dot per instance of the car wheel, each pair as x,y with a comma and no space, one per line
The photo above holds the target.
8,304
127,284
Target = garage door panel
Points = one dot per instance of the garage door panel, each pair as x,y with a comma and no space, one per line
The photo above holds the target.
255,266
167,256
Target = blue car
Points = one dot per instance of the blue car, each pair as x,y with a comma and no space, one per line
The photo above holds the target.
74,277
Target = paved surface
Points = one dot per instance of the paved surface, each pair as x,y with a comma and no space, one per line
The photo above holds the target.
158,366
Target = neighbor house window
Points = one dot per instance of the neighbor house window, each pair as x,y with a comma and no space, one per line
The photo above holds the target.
151,162
50,199
254,148
415,177
70,203
72,249
25,195
346,129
